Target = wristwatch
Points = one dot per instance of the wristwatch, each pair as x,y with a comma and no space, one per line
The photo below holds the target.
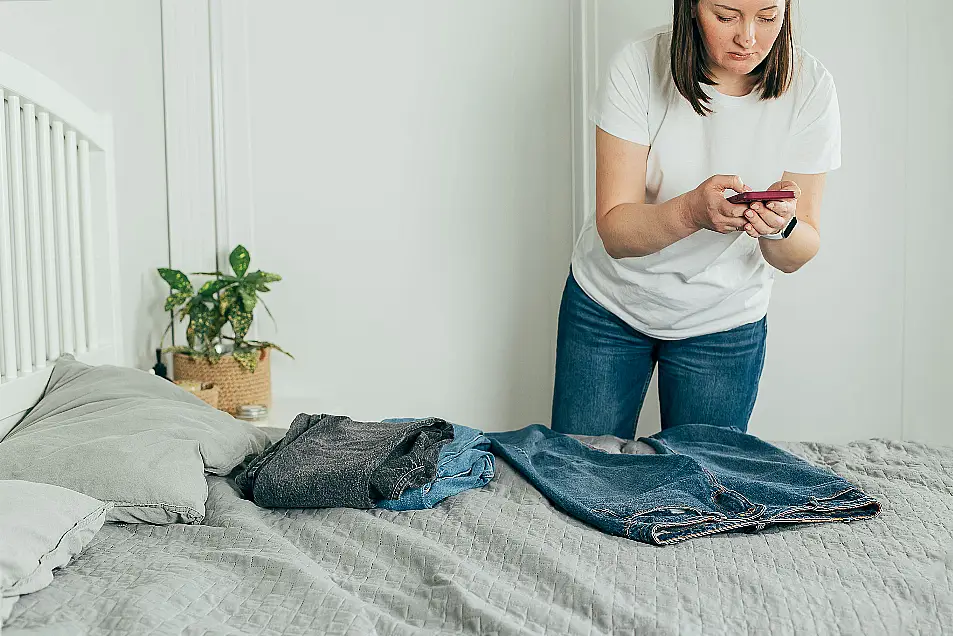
784,232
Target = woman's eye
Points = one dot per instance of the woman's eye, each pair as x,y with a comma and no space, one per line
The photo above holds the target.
724,19
769,19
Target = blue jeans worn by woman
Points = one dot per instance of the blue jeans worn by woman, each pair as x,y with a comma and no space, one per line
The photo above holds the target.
603,369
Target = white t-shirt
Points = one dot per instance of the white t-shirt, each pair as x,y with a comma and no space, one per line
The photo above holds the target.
707,282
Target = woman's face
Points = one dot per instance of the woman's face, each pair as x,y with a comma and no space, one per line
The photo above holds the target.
739,34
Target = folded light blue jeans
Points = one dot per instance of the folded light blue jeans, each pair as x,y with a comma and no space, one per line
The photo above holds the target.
464,463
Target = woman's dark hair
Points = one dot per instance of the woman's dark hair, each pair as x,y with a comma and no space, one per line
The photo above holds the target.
690,62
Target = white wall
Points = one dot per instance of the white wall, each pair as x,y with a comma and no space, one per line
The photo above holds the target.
412,183
109,54
924,217
408,172
858,345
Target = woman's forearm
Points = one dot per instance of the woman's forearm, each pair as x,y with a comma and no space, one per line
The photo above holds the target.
790,254
640,229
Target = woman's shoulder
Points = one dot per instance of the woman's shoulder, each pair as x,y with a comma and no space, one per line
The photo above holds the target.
650,43
646,54
811,78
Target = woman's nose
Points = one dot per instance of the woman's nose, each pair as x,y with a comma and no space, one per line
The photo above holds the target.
746,37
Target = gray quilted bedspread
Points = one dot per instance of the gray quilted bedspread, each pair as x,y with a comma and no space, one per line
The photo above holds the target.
501,560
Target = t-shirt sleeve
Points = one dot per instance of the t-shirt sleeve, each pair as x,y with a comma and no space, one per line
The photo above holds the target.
621,107
814,145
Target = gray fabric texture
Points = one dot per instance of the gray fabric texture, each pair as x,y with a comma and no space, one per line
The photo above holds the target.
128,438
500,560
42,527
330,461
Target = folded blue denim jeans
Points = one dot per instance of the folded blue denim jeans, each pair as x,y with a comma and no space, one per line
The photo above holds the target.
464,463
703,480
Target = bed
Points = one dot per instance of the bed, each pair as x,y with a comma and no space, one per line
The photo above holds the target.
495,560
502,560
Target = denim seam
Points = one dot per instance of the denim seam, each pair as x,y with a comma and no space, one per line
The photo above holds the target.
735,523
399,484
859,516
864,501
727,526
641,513
633,520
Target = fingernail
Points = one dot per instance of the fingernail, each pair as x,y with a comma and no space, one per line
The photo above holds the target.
749,214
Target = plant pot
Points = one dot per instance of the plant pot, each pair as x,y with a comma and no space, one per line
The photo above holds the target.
205,391
235,385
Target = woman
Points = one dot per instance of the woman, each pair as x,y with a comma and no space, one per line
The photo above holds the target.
667,271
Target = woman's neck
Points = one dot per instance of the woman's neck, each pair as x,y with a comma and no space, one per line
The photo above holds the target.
732,84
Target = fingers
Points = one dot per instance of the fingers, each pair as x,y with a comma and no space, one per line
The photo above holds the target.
787,185
757,226
763,221
724,182
785,209
731,221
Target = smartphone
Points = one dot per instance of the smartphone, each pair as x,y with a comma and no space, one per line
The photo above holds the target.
769,195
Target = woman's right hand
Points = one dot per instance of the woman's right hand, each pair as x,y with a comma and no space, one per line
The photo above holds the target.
710,210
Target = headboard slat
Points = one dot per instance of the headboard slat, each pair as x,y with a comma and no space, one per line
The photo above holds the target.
86,217
58,142
7,307
35,234
49,236
20,245
75,242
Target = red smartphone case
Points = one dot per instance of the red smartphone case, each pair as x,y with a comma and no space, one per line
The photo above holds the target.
768,195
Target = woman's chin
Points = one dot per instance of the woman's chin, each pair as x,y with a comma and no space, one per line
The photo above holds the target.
740,67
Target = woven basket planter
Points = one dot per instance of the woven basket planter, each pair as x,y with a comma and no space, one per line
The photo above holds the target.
205,391
235,385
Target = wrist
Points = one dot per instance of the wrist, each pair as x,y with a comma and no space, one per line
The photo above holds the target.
782,233
685,207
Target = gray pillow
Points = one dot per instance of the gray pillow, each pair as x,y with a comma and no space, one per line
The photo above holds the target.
128,438
42,527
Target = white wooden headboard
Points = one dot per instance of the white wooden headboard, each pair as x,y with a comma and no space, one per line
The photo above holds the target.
59,266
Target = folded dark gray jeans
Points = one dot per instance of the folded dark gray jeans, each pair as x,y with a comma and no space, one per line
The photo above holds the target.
332,461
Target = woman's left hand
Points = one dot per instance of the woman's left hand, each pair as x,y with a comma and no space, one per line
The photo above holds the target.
770,218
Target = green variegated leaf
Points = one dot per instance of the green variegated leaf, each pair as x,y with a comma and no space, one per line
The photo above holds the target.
227,300
219,322
260,278
248,358
249,298
190,335
240,321
175,299
177,280
239,259
203,322
210,288
272,345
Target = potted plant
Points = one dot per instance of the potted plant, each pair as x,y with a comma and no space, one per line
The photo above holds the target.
219,316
